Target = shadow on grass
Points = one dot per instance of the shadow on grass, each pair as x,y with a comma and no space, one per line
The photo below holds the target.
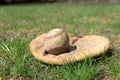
84,65
103,72
105,55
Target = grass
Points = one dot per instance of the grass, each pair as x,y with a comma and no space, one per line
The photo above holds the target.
20,24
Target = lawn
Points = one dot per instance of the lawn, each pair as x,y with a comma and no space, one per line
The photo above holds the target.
20,24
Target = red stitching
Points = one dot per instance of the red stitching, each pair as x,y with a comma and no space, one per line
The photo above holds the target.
55,35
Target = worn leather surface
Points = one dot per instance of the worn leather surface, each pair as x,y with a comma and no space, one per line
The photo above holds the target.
80,48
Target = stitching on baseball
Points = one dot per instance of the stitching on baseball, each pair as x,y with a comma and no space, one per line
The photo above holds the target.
55,35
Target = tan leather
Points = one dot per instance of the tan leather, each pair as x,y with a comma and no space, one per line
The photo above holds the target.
80,48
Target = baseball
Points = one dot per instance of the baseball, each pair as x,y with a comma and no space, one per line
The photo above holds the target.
56,41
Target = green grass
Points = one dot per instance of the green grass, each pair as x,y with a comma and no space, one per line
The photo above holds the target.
20,24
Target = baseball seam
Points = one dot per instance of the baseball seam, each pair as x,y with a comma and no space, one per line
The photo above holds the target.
54,35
